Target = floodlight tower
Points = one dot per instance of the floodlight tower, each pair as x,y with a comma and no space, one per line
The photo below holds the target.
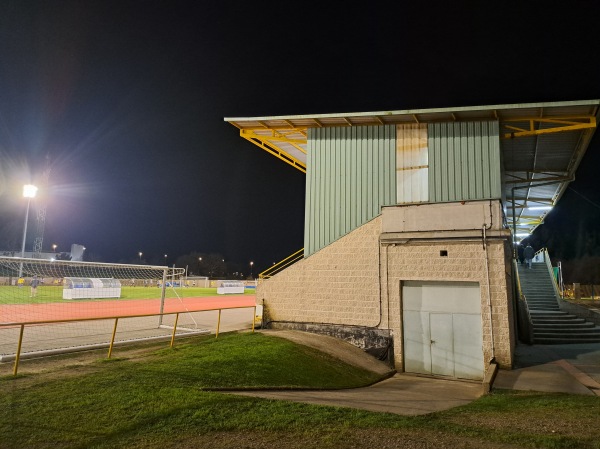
29,192
41,213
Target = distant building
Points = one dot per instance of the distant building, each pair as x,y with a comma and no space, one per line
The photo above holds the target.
76,254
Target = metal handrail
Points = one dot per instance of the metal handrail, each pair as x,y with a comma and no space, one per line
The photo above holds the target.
546,256
523,306
560,280
289,260
114,332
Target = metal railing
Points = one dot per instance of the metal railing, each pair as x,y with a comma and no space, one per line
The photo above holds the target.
524,315
276,268
114,331
555,281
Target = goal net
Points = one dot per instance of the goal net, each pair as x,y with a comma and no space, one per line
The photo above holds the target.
45,294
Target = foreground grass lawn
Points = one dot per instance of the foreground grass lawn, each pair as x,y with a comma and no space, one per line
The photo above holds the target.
158,399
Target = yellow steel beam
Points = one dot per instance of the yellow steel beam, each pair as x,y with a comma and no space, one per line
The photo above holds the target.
563,124
525,223
528,228
270,145
533,218
275,135
299,130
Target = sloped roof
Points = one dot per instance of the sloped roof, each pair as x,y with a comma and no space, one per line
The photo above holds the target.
542,144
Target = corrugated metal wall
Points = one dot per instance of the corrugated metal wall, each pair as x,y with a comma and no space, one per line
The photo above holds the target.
464,161
351,173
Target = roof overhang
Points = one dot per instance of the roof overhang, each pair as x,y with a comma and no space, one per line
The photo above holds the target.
542,144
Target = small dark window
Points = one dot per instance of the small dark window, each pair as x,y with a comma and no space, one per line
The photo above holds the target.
443,253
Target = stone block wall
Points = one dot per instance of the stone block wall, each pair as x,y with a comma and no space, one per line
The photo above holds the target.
356,281
338,284
465,261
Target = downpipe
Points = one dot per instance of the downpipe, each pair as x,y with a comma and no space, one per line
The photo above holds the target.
489,297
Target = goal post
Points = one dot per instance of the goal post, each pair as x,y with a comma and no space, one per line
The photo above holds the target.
53,270
55,290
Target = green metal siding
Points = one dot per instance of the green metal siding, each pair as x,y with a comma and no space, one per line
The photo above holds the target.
464,161
350,174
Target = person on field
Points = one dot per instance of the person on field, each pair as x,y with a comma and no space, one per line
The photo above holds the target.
528,252
34,285
20,282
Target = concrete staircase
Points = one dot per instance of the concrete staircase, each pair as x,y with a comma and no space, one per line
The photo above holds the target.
550,324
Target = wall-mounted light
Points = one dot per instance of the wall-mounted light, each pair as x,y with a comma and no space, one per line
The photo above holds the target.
540,208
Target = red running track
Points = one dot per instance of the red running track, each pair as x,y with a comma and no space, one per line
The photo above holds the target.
32,313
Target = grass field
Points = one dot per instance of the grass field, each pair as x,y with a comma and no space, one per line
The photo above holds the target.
157,398
50,293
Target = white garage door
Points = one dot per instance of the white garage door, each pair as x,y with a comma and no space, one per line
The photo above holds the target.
442,329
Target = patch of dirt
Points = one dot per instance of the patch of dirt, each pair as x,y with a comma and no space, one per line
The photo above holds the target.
543,424
75,363
349,438
336,348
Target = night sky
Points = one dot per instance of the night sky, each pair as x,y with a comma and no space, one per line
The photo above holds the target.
127,100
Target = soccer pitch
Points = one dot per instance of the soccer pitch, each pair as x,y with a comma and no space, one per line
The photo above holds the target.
53,293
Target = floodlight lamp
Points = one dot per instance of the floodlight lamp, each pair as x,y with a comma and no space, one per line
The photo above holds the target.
29,191
522,235
540,208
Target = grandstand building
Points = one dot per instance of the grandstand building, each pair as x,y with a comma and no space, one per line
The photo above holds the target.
411,223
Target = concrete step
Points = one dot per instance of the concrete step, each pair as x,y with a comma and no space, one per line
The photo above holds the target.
534,273
557,340
538,308
568,331
551,319
550,324
552,314
573,321
566,325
